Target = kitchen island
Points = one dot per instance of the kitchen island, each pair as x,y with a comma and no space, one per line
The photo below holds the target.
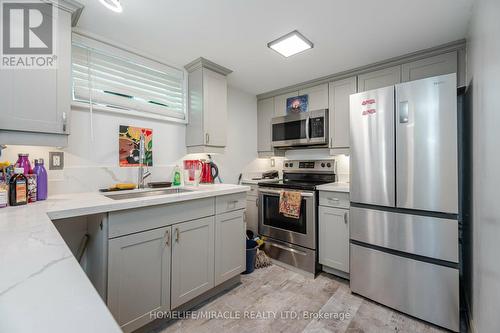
42,286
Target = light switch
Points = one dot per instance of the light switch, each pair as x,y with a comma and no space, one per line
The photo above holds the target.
56,160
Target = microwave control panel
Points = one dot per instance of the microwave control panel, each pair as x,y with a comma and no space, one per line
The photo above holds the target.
317,127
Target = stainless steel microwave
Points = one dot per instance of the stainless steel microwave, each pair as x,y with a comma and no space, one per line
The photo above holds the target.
300,129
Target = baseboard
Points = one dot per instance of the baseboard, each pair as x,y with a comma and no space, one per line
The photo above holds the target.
193,304
336,272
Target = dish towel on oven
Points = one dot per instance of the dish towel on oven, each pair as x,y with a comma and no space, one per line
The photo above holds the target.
290,204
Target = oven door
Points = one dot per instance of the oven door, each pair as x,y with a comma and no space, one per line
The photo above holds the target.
301,129
272,224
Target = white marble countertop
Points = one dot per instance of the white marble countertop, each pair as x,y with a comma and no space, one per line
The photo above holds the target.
334,187
42,286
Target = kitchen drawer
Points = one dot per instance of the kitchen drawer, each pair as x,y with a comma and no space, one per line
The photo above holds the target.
421,235
334,199
254,190
129,221
228,203
423,290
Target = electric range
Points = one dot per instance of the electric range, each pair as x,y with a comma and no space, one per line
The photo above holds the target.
293,241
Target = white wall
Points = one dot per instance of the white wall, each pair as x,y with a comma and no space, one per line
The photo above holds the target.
484,73
92,163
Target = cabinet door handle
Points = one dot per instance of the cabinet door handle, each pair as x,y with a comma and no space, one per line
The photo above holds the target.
167,237
64,122
345,217
331,143
177,235
257,202
207,138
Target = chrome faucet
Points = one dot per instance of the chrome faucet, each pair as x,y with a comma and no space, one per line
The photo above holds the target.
142,172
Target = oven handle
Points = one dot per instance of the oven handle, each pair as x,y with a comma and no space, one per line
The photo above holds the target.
289,249
303,194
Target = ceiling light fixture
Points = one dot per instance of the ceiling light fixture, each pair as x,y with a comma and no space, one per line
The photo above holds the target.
113,5
290,44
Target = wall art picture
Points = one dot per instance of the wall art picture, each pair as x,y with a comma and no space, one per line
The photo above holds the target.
129,139
297,104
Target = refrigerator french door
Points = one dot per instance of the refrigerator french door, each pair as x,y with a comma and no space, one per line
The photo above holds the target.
404,198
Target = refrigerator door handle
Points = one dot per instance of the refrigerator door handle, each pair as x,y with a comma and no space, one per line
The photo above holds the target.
403,112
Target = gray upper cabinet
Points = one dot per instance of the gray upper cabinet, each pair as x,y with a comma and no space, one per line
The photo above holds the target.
229,245
39,100
139,277
379,79
318,96
207,106
433,66
280,103
339,92
192,259
265,113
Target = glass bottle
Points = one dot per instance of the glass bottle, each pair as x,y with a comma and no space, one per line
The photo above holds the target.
24,162
18,188
41,176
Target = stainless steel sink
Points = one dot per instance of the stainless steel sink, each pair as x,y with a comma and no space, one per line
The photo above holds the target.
142,194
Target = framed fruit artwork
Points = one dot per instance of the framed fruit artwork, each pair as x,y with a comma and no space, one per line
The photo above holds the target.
129,139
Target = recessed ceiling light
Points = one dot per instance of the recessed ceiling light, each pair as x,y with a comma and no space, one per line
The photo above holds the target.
113,5
290,44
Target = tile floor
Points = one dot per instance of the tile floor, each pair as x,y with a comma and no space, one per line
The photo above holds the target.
278,290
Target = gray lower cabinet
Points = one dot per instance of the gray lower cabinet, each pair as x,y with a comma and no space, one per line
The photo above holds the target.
379,79
433,66
192,259
139,277
229,245
252,212
334,238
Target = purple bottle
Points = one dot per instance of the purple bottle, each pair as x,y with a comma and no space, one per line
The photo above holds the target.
24,162
41,176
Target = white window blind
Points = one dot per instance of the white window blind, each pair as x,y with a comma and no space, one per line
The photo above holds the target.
111,77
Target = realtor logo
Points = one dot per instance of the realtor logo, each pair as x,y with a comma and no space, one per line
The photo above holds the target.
28,34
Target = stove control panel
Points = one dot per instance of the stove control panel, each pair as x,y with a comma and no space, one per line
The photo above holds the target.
312,166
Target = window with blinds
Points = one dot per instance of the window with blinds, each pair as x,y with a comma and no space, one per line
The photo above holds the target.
111,77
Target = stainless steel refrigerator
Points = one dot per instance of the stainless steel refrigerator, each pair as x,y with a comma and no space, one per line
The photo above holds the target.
404,250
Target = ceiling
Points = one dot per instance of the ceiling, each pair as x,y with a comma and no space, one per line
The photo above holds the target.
235,33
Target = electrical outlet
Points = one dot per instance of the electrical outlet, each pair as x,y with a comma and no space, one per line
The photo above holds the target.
56,160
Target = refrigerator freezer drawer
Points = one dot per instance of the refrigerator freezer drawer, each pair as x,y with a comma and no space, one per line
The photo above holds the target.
421,235
426,291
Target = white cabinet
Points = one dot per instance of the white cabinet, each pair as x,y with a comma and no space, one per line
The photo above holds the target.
139,277
433,66
252,213
215,108
265,114
207,107
229,245
35,103
339,92
317,96
379,79
334,238
280,103
192,259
